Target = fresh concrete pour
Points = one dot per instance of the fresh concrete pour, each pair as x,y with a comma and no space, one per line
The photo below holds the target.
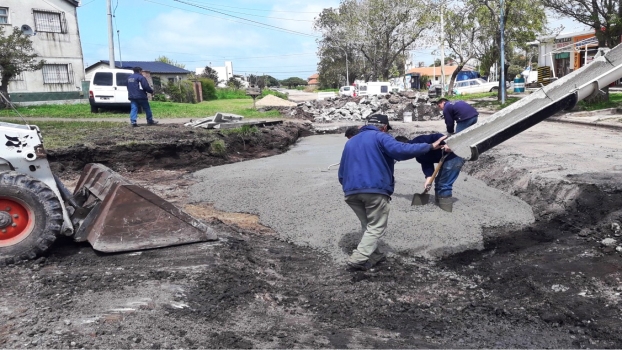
304,205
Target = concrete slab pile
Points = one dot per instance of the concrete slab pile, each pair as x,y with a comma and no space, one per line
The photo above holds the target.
358,108
228,121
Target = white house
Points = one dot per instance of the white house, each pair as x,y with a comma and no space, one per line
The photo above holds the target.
224,73
53,29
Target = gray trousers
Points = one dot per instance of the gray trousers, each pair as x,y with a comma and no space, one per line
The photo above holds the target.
373,211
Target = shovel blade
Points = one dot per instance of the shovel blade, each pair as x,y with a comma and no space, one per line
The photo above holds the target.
420,199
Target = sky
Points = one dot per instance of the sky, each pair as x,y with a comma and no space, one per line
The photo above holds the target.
273,37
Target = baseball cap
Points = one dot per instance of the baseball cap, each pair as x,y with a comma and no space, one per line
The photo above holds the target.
379,119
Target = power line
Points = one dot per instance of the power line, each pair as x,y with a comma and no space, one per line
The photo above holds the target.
249,14
248,20
211,57
251,9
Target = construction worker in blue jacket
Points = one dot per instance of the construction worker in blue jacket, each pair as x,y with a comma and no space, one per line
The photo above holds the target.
460,113
137,89
366,175
447,175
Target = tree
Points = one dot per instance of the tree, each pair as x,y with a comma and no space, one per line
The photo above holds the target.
604,16
522,21
170,61
379,32
211,73
234,83
292,82
16,56
463,35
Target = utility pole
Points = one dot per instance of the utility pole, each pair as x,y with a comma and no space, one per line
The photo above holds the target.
442,52
119,43
110,35
502,56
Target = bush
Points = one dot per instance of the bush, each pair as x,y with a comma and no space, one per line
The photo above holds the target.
180,91
229,93
208,88
159,97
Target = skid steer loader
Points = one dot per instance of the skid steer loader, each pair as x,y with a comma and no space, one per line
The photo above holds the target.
105,209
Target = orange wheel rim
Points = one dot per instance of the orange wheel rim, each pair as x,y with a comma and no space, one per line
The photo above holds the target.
16,221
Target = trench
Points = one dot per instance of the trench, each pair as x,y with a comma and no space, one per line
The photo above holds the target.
553,273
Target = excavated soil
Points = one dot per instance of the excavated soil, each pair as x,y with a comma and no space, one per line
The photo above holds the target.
549,285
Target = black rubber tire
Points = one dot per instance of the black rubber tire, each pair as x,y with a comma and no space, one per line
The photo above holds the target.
494,89
94,109
46,209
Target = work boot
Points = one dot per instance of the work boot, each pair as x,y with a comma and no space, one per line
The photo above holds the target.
362,266
446,203
376,258
153,122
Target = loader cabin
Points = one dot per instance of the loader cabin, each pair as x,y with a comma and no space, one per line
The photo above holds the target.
374,88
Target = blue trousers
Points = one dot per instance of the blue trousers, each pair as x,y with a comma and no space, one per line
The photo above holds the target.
134,110
444,182
465,124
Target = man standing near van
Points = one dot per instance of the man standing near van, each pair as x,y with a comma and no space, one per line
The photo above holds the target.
137,89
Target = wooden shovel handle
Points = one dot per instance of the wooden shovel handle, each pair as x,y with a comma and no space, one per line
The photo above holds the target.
438,168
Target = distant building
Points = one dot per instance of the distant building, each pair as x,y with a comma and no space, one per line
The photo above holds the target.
224,73
53,29
314,80
434,73
568,52
161,73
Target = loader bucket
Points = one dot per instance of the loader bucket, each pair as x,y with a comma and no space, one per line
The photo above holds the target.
117,215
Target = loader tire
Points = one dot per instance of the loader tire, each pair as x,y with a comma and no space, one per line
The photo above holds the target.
31,217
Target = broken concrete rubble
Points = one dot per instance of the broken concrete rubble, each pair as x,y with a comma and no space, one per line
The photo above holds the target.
228,121
345,108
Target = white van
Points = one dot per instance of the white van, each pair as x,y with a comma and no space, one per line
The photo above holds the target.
347,91
374,88
108,89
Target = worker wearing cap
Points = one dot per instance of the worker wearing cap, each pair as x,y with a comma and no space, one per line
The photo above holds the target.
366,175
459,113
448,173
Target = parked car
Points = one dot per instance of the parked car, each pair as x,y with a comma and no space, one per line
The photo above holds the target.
347,91
434,89
374,88
108,89
473,86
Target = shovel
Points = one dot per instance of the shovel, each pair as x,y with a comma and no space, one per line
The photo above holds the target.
424,197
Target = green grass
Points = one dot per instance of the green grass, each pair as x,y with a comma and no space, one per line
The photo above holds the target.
160,110
57,134
615,100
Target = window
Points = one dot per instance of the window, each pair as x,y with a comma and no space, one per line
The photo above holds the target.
122,79
171,80
57,74
384,89
50,21
4,15
102,79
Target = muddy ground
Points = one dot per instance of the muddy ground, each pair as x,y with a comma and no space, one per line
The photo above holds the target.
552,284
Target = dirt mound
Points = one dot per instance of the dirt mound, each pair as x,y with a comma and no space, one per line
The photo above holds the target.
174,147
273,101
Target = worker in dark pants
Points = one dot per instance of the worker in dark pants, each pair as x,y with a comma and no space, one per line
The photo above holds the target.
366,175
447,175
137,89
460,113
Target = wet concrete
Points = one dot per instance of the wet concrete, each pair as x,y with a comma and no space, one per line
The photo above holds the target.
295,195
